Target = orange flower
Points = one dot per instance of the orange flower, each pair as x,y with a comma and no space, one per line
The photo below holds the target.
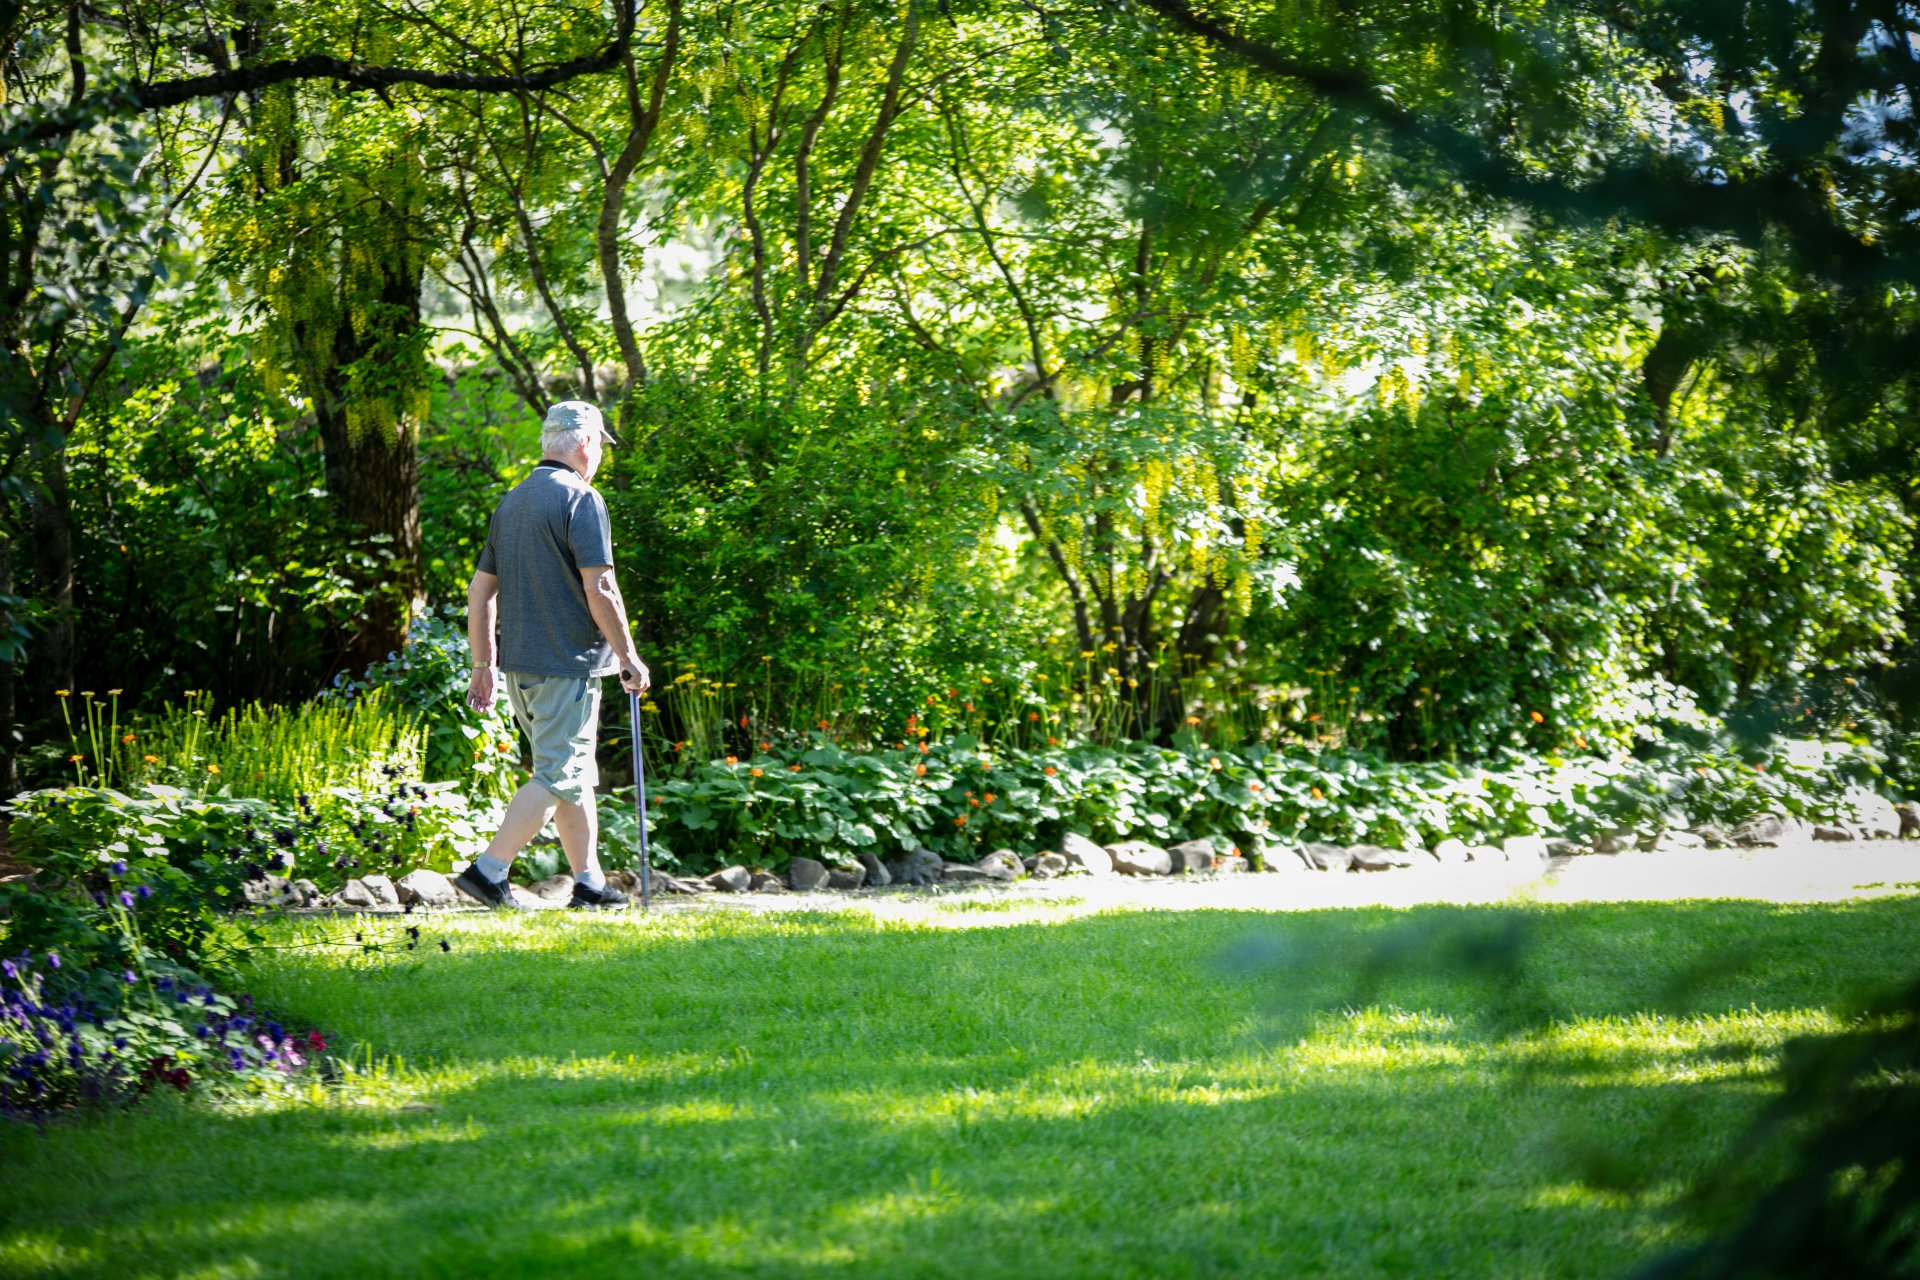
1049,771
988,797
653,799
920,770
1213,762
73,759
953,693
1315,716
213,768
969,706
733,759
923,748
960,821
679,746
1700,770
1579,742
1053,742
974,803
929,699
793,768
743,722
151,759
1537,717
912,721
1254,786
1317,793
766,746
124,741
505,746
1193,719
1033,715
824,724
756,773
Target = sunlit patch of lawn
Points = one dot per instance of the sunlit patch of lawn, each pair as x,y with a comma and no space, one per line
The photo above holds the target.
1121,1094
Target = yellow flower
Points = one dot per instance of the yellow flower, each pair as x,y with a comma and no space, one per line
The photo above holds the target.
213,768
151,759
62,693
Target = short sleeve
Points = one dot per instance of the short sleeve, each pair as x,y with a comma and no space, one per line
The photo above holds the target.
590,533
489,562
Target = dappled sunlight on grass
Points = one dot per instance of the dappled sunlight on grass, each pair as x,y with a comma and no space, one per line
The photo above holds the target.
1121,1093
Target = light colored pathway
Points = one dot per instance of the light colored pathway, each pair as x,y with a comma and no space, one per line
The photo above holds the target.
1798,873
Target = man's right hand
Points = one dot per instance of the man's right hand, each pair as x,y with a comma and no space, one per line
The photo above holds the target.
480,689
633,675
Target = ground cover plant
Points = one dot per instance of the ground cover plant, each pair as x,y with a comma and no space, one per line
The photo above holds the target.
1122,1094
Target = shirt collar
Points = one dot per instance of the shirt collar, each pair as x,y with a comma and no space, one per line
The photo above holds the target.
555,462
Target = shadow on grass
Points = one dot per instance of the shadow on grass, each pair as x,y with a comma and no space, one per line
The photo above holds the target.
1130,1094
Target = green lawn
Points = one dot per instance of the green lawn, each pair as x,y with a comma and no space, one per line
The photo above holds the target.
992,1093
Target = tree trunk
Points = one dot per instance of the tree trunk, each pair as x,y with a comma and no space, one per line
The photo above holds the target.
373,467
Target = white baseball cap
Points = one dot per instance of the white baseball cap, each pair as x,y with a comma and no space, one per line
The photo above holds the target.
577,415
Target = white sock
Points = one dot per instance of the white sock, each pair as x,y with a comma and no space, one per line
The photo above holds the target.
592,877
492,868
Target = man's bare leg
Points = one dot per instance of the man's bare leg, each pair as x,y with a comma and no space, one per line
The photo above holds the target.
531,808
579,828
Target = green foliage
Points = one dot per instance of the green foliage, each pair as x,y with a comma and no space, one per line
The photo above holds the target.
428,680
962,800
266,753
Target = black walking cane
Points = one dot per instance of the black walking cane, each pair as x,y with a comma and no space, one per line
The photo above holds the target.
639,795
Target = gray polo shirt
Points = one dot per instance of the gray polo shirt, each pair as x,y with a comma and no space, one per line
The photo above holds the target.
547,528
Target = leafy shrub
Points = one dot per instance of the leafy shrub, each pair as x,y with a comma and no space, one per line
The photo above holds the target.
476,749
961,799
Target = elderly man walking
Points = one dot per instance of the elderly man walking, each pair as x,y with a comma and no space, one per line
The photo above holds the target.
545,588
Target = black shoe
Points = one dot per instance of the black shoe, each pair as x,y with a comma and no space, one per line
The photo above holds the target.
486,892
604,899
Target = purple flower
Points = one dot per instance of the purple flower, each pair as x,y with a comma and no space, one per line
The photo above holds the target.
6,967
146,891
126,899
119,868
128,976
53,958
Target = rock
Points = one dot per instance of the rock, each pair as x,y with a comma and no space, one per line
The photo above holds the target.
383,890
1909,818
1713,837
1770,830
553,888
767,882
354,896
1452,852
731,880
428,888
272,891
807,875
1138,858
308,891
964,873
1619,840
1873,813
1002,864
1674,841
920,867
1084,854
1325,857
846,878
1837,835
1230,864
878,876
1191,857
1524,849
1047,866
1373,857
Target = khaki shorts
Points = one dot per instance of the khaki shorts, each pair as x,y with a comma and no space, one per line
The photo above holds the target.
561,717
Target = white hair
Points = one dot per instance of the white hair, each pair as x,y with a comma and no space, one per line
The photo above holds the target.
558,443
